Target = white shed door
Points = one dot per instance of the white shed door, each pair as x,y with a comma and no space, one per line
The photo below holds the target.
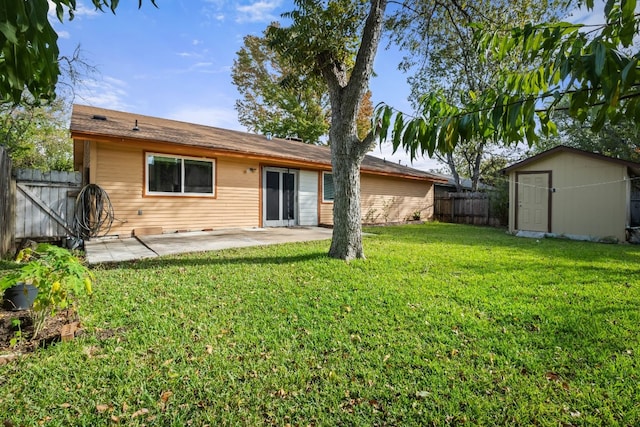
533,205
308,198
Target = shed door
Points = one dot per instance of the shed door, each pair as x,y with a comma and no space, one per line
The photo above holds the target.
533,206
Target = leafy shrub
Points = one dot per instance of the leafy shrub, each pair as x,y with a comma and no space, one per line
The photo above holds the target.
58,275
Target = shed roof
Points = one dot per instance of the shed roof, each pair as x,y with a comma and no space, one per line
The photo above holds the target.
634,167
91,122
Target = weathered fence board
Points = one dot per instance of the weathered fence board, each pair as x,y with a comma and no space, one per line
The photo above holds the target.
465,208
45,203
7,196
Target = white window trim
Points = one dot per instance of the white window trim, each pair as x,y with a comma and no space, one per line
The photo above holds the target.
334,190
182,193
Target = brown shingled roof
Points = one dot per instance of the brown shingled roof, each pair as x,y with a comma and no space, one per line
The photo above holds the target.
87,122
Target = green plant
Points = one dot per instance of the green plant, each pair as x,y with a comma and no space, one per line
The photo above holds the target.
416,216
17,336
58,275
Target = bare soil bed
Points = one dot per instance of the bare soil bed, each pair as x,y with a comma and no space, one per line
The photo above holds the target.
23,333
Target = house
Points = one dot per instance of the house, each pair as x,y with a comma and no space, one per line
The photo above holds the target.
574,193
163,176
442,189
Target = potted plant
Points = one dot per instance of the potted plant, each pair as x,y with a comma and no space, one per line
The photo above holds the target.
56,274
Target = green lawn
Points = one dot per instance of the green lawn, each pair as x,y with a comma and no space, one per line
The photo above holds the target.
441,325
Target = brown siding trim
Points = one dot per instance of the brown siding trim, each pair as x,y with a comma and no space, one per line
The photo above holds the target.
365,171
549,198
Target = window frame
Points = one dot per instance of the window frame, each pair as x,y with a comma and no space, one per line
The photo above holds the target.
324,199
182,158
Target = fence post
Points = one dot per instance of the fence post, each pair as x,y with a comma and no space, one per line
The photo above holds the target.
7,208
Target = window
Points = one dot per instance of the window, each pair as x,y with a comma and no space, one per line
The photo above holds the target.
327,187
172,175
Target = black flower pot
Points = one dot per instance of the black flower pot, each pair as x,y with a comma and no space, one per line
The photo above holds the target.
19,297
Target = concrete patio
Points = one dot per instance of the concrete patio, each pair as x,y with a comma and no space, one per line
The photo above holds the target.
109,250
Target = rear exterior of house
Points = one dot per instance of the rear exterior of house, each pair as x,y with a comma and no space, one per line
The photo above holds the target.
570,192
164,176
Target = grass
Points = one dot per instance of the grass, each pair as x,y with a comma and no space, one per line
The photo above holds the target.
441,325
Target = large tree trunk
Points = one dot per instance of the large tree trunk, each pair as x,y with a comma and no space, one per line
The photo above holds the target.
346,241
346,90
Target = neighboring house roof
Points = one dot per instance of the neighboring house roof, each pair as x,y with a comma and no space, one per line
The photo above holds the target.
91,122
634,167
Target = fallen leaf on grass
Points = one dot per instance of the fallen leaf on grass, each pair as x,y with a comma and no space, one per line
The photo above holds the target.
386,358
209,349
422,394
101,408
115,419
140,412
65,405
552,376
164,397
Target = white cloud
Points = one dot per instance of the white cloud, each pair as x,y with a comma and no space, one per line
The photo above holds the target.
64,34
588,17
259,11
106,93
83,10
225,118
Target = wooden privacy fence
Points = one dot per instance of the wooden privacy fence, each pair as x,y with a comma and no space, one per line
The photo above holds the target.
7,194
45,203
466,208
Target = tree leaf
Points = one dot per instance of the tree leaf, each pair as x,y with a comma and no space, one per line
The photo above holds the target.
600,57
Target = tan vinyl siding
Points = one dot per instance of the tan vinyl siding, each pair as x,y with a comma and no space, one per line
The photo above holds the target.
326,213
119,169
389,199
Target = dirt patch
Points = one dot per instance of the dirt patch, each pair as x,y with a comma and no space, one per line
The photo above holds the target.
16,331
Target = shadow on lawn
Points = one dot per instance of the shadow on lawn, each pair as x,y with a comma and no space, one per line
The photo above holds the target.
211,258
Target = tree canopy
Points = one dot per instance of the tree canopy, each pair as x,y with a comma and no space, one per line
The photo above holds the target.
37,137
275,98
589,71
29,47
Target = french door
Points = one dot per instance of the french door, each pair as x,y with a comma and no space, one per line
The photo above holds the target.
279,192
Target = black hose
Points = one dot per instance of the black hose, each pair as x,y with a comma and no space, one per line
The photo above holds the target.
93,212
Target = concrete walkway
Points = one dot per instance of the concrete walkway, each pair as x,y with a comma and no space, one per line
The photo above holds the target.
106,250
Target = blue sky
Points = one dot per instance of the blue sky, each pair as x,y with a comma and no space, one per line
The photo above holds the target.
175,61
